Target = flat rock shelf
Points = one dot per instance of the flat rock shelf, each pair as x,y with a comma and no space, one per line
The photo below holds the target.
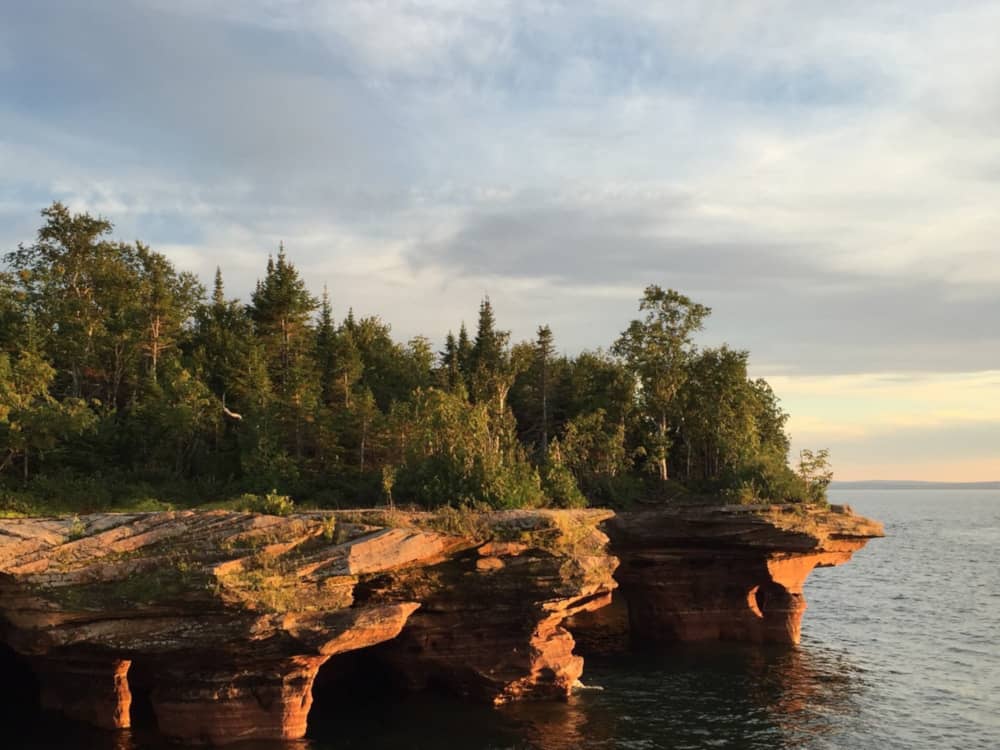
226,618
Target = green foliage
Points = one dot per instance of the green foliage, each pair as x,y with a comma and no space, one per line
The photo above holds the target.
121,386
32,422
815,472
717,411
558,482
467,521
458,453
593,447
77,529
271,503
657,350
329,528
388,482
280,308
767,477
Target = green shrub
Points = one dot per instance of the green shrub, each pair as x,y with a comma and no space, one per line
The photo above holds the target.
769,478
560,487
329,528
271,504
77,529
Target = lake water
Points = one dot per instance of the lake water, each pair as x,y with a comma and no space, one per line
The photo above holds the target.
900,649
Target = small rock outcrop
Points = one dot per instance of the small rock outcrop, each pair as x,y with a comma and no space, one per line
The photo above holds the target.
717,573
229,616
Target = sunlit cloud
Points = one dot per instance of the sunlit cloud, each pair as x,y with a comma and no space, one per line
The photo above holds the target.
876,424
823,175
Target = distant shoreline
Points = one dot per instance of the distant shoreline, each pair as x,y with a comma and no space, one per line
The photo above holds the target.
903,484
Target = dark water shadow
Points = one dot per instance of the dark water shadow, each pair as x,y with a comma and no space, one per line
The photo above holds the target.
690,696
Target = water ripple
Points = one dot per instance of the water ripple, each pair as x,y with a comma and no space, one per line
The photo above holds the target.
901,651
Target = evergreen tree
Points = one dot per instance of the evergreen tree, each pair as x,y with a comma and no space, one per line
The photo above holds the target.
418,365
465,363
111,362
450,368
488,348
492,371
281,308
544,349
326,350
348,365
222,342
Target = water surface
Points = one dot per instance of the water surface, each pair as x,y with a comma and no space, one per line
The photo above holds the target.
900,649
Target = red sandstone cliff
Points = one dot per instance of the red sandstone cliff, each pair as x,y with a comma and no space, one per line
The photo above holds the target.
229,616
718,573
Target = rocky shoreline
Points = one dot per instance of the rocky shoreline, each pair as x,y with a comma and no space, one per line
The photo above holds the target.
228,617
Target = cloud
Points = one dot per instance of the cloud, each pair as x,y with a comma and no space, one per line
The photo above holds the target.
197,99
959,452
891,400
830,319
876,423
824,175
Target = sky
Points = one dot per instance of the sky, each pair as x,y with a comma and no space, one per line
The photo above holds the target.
825,176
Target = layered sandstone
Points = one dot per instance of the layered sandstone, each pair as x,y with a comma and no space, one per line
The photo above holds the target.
490,625
229,616
718,573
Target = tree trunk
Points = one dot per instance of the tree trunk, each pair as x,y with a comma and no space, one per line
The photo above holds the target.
75,374
364,437
285,353
545,411
154,345
664,476
298,429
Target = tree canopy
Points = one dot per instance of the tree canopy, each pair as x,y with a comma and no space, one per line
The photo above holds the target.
122,382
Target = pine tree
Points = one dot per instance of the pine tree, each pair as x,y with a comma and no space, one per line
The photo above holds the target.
465,364
350,324
450,367
222,341
281,309
544,349
347,360
218,290
488,349
102,369
326,350
493,371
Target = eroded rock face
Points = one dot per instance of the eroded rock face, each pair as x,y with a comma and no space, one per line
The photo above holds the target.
491,620
229,616
718,573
